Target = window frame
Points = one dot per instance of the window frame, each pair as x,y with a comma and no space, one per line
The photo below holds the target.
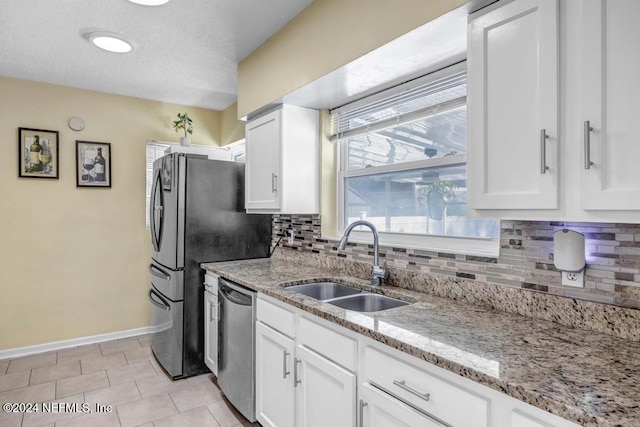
483,246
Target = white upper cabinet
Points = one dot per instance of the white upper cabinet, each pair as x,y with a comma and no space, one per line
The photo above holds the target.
586,169
610,93
513,106
282,162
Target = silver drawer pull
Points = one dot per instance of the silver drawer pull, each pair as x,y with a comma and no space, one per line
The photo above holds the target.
543,151
362,405
403,385
587,145
296,381
285,353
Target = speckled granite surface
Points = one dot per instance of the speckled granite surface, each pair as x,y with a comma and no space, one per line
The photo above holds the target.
589,378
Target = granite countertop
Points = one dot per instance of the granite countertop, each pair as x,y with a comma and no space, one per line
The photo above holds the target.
585,377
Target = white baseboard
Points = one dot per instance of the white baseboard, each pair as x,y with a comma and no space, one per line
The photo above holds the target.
59,345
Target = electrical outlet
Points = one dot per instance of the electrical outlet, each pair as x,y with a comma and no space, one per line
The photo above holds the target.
573,279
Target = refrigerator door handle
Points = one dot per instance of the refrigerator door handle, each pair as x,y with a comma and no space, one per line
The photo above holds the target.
155,210
158,272
162,304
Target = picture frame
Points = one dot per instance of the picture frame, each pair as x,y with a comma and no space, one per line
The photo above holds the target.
93,164
38,154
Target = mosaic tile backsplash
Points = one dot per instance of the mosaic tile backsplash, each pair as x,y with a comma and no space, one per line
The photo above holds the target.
525,260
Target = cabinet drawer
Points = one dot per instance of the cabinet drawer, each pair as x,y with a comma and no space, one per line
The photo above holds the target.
275,316
332,345
448,402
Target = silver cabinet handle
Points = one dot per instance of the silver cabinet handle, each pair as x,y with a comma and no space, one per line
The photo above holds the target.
587,145
543,151
285,353
403,385
212,307
362,405
274,183
296,381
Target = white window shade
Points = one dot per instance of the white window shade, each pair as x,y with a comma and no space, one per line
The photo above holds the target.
155,150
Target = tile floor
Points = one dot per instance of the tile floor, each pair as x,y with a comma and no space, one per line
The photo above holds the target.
121,373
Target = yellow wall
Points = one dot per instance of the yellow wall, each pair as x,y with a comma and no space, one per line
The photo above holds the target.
231,128
73,261
325,36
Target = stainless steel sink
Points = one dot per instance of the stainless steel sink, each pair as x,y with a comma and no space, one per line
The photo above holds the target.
324,290
366,302
347,297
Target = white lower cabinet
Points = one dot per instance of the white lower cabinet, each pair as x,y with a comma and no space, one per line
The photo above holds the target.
312,373
211,322
378,409
437,397
326,392
275,393
296,385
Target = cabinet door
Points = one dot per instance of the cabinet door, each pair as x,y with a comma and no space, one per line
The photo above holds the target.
263,154
326,393
211,331
513,106
610,93
275,394
379,409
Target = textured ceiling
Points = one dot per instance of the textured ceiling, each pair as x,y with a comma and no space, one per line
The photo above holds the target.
186,52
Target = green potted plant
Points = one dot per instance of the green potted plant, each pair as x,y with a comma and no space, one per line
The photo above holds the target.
185,124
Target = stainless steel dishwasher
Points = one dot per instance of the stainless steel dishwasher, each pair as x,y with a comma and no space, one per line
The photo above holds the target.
236,352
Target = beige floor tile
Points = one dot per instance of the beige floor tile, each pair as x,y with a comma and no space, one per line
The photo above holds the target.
130,373
200,417
35,393
32,362
11,419
193,396
119,346
158,385
135,356
3,366
14,381
145,340
102,363
104,419
146,410
77,353
203,379
81,383
114,395
59,371
157,367
56,410
225,414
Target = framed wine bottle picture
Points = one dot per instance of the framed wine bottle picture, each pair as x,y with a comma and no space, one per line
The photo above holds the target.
93,164
38,153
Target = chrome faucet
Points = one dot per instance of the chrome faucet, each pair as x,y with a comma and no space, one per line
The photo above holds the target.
378,274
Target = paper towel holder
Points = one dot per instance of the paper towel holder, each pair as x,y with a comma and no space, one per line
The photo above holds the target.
569,257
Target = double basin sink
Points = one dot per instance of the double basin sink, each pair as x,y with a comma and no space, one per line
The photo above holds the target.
347,297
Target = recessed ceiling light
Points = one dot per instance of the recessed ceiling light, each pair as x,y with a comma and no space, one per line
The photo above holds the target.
150,2
110,42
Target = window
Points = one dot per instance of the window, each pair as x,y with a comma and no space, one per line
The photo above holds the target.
403,164
155,150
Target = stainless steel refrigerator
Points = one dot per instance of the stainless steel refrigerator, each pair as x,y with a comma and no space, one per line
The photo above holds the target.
197,215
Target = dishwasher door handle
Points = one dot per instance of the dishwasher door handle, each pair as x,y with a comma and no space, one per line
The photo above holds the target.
234,296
